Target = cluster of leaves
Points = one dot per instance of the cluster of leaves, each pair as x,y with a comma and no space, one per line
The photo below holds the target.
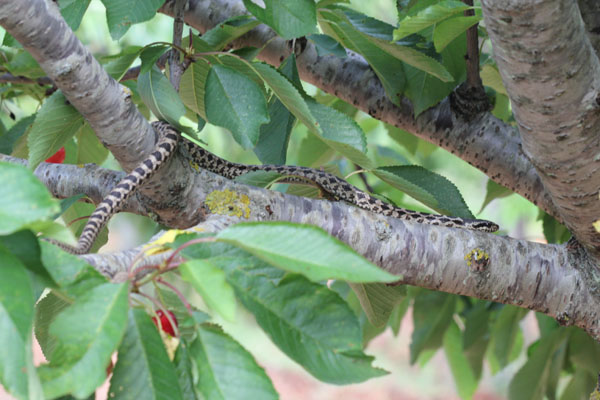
83,319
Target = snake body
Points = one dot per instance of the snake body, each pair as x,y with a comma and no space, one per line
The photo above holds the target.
334,186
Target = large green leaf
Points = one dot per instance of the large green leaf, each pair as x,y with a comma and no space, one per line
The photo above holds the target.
23,199
46,311
388,68
86,334
89,148
530,381
117,65
67,269
464,377
304,249
56,122
505,344
432,314
378,300
143,369
235,102
451,28
16,320
429,188
209,282
226,370
73,10
10,137
121,14
428,17
158,94
221,35
310,323
185,370
289,18
192,86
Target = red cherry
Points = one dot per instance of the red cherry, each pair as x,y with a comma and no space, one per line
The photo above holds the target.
165,324
58,157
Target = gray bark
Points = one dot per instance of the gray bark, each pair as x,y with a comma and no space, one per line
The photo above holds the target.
552,76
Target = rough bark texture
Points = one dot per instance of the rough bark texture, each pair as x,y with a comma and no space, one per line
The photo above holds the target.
485,142
551,74
103,102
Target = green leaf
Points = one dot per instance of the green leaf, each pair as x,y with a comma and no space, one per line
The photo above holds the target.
150,54
378,300
23,64
326,45
289,18
554,231
24,245
235,102
185,370
209,282
494,191
451,28
65,268
226,370
584,351
46,311
89,148
121,14
432,314
530,381
581,386
274,136
191,88
464,377
428,17
505,333
429,188
307,321
491,78
73,11
16,320
23,199
389,69
55,123
341,133
227,31
87,333
143,369
10,137
303,249
160,97
119,65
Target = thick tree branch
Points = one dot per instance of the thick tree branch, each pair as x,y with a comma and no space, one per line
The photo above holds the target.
551,279
104,103
551,74
485,142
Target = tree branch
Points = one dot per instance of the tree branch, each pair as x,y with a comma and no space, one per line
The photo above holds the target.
485,142
104,103
551,74
552,279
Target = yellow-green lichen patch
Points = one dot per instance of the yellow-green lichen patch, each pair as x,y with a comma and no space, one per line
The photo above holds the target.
195,166
477,259
228,202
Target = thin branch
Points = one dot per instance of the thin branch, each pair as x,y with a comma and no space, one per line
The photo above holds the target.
175,66
473,78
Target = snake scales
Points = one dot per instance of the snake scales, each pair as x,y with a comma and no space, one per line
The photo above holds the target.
334,186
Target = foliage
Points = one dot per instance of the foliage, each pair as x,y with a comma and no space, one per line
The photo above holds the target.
278,272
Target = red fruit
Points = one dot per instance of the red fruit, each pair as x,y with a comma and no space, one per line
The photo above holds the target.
165,324
58,157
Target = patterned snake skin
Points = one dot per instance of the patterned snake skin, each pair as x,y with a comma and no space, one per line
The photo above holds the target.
334,186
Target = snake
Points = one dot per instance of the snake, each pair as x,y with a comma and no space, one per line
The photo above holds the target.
337,188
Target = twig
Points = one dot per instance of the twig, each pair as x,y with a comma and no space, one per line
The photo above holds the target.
473,78
363,178
176,67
